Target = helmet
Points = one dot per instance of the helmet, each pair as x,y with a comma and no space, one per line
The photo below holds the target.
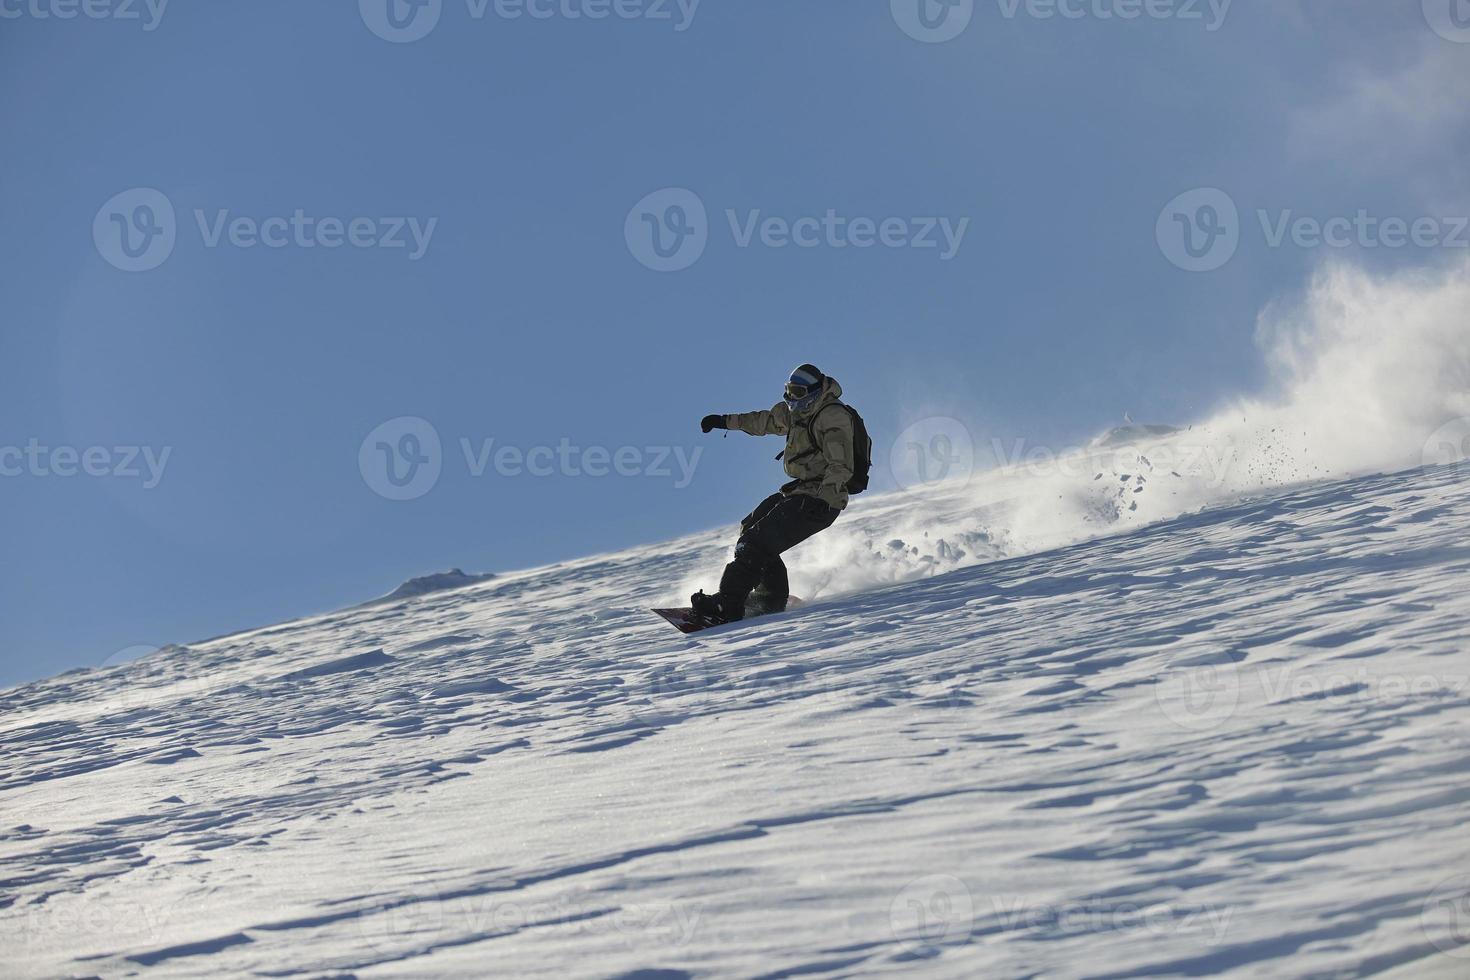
804,388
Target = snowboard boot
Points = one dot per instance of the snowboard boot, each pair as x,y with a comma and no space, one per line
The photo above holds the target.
763,602
717,607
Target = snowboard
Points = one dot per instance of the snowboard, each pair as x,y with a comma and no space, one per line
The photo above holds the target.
684,620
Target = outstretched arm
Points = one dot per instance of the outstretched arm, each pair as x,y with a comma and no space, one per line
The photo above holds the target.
775,421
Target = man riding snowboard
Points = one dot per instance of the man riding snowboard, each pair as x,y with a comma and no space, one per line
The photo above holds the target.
827,457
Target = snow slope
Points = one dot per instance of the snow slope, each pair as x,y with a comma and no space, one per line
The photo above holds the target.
1234,741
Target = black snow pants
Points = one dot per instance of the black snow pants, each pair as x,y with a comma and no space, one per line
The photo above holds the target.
778,524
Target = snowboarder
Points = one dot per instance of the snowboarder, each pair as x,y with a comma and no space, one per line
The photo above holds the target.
827,456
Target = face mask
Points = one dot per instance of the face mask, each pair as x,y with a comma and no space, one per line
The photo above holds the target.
800,397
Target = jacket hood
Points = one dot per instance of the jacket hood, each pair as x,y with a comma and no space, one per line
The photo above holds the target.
831,392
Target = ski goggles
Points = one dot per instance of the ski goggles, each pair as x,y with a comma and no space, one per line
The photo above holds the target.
796,392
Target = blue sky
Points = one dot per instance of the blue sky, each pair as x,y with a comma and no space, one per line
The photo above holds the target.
519,148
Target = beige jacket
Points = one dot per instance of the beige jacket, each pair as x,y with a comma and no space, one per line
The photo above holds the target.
818,469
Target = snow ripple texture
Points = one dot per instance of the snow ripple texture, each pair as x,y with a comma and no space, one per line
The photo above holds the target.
1235,742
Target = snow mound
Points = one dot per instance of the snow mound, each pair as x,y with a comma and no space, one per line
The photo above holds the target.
340,665
437,582
1128,435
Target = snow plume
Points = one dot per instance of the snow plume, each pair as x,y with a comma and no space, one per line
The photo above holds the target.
1368,374
1369,368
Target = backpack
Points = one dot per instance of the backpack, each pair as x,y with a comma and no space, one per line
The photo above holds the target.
862,447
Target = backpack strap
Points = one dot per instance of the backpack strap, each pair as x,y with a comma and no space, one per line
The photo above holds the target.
811,432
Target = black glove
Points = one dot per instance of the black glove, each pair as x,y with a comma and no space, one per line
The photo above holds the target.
712,422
